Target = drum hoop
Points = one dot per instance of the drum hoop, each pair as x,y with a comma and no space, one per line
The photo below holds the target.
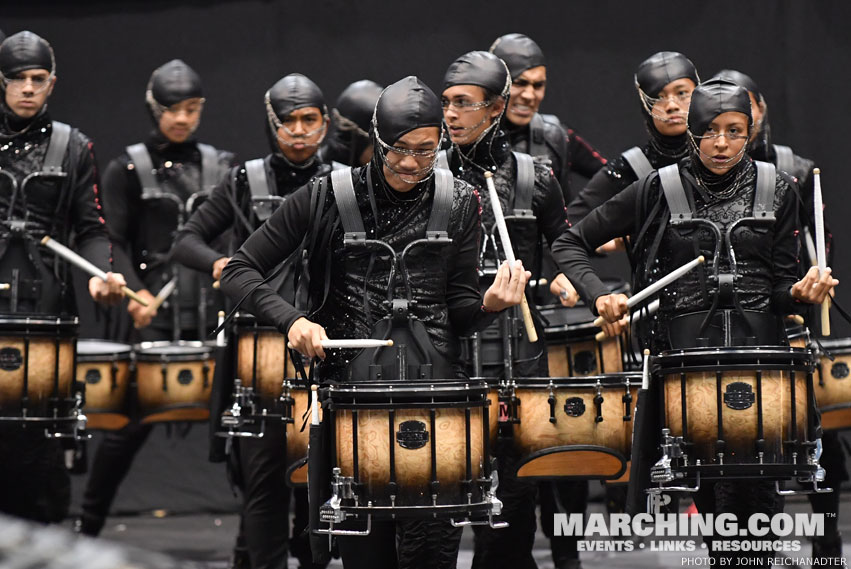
407,387
153,351
41,326
117,350
837,346
611,380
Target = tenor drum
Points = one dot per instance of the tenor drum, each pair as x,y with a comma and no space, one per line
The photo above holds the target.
263,360
174,380
572,427
36,368
833,388
411,449
741,412
105,368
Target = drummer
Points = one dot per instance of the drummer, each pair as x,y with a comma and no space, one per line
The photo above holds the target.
394,194
34,483
720,181
297,120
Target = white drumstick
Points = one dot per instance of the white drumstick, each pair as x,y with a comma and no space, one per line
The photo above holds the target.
85,265
220,337
658,285
509,253
645,371
353,344
651,308
314,405
821,255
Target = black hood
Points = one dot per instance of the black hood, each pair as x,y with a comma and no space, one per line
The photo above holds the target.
24,51
172,83
740,79
357,102
713,98
519,53
760,147
661,68
406,105
295,91
479,68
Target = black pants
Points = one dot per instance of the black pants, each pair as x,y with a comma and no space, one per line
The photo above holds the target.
509,547
563,497
742,498
410,544
34,483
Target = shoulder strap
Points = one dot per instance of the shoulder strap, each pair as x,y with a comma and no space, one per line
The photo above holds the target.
258,185
347,204
785,158
675,193
144,166
211,168
763,201
524,185
637,161
438,221
537,142
56,148
442,160
337,165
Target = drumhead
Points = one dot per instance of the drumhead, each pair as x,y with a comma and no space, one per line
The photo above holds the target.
40,325
94,347
172,350
741,357
606,380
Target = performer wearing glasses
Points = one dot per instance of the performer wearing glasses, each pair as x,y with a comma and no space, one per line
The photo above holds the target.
50,187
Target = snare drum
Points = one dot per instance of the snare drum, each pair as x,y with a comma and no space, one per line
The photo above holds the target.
263,360
741,412
411,449
105,368
174,380
833,388
571,427
36,368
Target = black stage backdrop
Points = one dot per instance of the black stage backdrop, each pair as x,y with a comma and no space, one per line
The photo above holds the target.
797,51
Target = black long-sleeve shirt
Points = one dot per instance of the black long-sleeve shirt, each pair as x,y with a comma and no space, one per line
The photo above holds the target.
767,259
68,209
444,281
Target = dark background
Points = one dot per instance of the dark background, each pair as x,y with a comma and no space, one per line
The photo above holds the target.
797,51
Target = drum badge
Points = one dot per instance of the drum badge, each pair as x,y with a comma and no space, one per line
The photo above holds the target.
574,407
412,435
839,370
739,396
92,376
10,359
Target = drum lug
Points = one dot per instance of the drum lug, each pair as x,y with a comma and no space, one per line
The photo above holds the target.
598,402
552,401
627,402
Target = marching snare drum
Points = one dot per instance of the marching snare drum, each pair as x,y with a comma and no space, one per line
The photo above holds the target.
105,368
575,427
741,412
411,449
572,350
36,368
263,360
833,388
173,380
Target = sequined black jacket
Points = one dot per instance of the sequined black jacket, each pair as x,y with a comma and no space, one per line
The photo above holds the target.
349,286
229,206
69,209
611,180
767,258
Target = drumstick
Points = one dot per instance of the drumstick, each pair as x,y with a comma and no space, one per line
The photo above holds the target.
657,286
163,294
314,405
509,253
795,319
85,265
220,337
645,371
354,344
651,308
818,218
217,284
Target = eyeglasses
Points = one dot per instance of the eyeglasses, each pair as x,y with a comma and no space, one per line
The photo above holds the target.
727,135
430,154
463,106
17,84
683,97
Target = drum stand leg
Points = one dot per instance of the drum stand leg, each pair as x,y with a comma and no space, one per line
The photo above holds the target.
495,507
332,512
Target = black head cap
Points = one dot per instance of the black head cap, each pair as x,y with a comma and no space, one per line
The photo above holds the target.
661,68
24,51
740,79
357,102
173,82
295,91
479,68
713,98
406,105
519,53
